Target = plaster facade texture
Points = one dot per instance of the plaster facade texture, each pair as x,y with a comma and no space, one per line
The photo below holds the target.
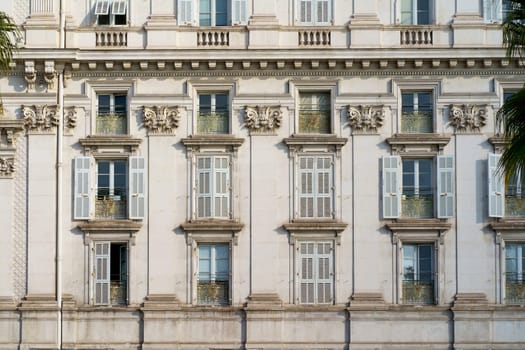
263,174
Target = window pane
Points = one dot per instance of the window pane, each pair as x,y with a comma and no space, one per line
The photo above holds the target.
314,112
205,12
120,104
104,104
221,12
423,11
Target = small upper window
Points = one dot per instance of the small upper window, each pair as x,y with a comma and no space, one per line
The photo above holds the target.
214,114
111,114
417,112
315,11
111,12
314,113
416,12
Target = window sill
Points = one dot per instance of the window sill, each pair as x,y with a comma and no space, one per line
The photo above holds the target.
508,224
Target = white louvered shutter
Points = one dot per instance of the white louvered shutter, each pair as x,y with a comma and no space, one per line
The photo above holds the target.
82,201
239,11
102,270
185,12
102,7
305,11
391,186
322,9
204,186
306,272
306,186
323,187
445,186
221,207
137,188
496,189
324,273
119,7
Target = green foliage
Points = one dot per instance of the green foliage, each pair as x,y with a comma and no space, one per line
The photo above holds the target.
9,35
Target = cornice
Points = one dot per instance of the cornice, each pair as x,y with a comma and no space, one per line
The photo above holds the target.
113,140
212,140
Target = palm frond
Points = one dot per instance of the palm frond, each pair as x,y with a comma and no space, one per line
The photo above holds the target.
9,35
512,117
513,28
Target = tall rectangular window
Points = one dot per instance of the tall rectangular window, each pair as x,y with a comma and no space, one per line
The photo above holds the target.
416,12
315,12
112,188
315,187
315,113
111,116
506,198
417,112
214,114
418,274
110,273
111,12
316,272
213,187
213,12
515,273
417,193
213,283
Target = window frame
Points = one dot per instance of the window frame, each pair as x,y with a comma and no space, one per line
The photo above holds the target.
414,13
495,11
213,195
96,88
314,13
188,13
213,110
415,109
331,87
110,12
94,273
417,262
299,195
498,189
213,253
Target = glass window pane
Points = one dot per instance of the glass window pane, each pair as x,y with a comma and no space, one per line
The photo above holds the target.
104,103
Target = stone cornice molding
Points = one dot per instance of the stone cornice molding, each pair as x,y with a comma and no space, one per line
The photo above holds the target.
418,143
7,167
365,119
11,128
120,143
297,143
308,229
212,231
498,142
418,229
263,119
468,118
161,119
196,142
40,118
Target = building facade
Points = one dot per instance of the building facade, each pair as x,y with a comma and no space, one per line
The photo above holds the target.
263,174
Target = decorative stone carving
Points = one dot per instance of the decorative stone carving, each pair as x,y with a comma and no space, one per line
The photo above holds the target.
30,75
50,74
7,167
263,119
70,117
10,128
40,117
468,118
161,119
366,119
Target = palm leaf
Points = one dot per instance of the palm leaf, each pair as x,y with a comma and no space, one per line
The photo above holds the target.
9,35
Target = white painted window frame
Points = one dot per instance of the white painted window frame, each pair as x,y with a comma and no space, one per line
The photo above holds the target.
398,11
188,12
313,13
504,238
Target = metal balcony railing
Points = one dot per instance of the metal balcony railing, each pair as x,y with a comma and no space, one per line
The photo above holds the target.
417,205
418,292
515,288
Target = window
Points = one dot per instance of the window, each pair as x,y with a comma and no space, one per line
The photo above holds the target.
119,191
495,11
111,12
315,12
417,112
213,12
314,113
416,12
213,187
214,114
110,271
111,114
315,187
316,272
514,273
213,282
506,199
409,188
418,274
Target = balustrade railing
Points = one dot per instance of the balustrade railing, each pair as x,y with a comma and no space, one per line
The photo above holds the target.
213,38
111,38
314,38
416,36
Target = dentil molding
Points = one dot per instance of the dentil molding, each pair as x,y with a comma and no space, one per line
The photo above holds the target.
468,118
263,119
365,119
161,119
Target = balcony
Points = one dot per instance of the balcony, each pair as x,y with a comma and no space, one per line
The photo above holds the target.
213,38
418,292
515,205
213,292
416,36
111,124
417,205
110,207
117,292
213,123
515,288
111,38
314,38
416,122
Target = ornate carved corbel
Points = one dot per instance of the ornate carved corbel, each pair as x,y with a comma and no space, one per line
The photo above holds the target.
7,166
366,119
50,74
30,75
40,117
161,119
468,118
70,117
263,119
11,128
